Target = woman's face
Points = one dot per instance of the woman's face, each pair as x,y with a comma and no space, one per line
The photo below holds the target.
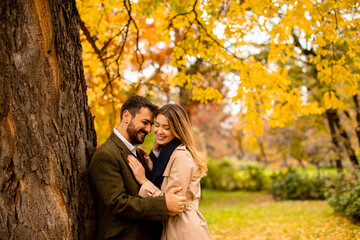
163,133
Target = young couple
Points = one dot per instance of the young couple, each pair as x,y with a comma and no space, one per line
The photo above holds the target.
140,197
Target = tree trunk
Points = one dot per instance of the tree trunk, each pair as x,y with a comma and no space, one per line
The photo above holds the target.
335,141
262,151
46,134
357,110
345,138
184,97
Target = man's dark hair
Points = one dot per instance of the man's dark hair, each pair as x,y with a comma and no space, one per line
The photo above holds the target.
134,103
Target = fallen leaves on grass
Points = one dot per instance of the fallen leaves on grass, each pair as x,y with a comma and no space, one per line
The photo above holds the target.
243,215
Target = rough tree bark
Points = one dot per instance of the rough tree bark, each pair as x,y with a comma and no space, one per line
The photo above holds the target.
46,134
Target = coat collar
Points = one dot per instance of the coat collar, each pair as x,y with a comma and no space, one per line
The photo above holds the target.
118,142
125,151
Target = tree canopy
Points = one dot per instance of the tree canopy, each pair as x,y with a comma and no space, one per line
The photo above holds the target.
281,59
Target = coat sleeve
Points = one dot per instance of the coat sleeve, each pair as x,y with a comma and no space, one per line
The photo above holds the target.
108,183
148,189
180,173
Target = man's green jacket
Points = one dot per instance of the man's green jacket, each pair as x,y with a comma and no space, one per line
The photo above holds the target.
120,212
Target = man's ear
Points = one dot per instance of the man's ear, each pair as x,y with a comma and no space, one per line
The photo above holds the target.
126,116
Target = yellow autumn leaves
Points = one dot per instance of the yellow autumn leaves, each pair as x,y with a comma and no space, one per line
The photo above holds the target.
259,41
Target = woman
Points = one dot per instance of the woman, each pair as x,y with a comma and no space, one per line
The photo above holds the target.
178,164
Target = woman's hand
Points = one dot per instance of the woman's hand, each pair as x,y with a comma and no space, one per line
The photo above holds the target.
147,158
137,169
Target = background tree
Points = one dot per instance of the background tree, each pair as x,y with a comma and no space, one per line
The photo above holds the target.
46,134
309,61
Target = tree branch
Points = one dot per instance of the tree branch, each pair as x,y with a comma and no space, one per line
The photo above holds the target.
203,28
298,44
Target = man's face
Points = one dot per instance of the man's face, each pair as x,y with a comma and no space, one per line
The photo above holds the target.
140,125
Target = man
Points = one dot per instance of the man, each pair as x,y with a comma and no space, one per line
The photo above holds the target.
120,212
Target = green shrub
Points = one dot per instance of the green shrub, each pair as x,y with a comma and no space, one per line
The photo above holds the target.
254,179
292,185
343,194
220,175
225,175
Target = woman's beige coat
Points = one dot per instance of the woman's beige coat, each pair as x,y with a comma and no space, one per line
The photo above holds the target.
181,171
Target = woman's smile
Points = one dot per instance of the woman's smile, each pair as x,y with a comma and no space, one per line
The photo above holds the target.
163,132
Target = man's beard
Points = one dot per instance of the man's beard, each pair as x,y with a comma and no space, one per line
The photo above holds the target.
133,134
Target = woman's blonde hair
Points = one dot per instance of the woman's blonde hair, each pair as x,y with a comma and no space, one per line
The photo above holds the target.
180,126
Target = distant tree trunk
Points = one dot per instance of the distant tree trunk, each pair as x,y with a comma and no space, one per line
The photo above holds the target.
184,97
357,110
241,148
300,163
46,133
262,150
333,114
330,116
335,141
346,140
284,163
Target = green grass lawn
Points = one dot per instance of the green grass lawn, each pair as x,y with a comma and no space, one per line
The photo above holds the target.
245,215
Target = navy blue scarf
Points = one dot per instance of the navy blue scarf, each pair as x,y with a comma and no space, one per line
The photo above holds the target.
156,175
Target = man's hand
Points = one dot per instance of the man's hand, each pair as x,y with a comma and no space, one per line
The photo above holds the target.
174,203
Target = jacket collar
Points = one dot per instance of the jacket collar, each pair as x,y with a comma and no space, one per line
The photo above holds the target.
125,151
118,142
